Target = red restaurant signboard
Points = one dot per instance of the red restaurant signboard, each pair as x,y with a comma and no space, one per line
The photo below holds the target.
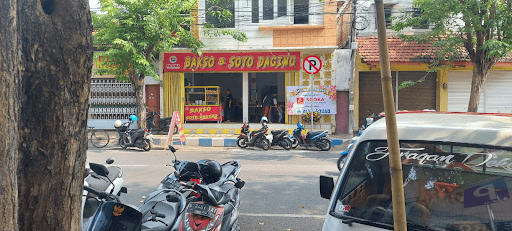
202,113
253,61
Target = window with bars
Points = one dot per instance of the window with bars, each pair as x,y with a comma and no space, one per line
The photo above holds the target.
301,12
423,24
387,14
214,19
282,5
268,9
255,11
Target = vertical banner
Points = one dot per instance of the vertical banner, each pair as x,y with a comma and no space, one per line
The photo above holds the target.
176,120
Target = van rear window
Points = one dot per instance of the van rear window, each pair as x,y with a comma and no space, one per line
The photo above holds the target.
447,186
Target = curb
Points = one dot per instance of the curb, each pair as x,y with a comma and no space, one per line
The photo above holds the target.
213,142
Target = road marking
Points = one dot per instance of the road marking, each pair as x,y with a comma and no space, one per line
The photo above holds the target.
128,165
282,215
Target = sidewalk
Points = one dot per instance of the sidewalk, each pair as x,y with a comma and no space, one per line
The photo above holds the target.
205,140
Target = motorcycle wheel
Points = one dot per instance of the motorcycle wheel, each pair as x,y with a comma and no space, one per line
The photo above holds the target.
236,226
175,130
341,163
265,144
122,143
241,143
324,144
295,142
286,144
146,145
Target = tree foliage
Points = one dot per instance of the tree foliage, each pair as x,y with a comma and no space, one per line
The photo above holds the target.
132,33
478,29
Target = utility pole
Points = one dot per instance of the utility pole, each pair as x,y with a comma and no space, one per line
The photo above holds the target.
395,164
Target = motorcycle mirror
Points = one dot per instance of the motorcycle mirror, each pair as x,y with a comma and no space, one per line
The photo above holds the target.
99,169
172,148
240,184
110,160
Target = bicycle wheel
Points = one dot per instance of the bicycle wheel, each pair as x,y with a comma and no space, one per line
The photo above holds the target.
99,138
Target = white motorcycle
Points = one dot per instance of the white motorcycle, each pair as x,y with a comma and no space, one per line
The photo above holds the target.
112,184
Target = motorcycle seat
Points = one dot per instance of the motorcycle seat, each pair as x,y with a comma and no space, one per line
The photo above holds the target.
102,184
277,132
311,134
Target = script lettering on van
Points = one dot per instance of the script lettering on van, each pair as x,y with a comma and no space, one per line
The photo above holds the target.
422,157
410,153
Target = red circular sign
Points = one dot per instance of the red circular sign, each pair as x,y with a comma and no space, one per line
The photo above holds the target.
312,64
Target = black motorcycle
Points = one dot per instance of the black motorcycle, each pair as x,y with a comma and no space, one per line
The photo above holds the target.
182,201
281,138
258,138
139,138
163,123
318,139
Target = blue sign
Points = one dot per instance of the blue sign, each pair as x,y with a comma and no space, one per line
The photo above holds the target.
486,193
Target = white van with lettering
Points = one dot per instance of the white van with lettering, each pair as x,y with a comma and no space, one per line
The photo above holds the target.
457,175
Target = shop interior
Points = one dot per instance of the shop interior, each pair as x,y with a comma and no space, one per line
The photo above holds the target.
260,85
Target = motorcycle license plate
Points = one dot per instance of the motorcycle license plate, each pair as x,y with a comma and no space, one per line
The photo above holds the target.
150,137
171,184
202,209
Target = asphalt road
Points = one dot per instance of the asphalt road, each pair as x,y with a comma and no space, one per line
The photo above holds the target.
281,190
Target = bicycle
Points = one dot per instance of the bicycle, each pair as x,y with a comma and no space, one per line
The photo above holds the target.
98,138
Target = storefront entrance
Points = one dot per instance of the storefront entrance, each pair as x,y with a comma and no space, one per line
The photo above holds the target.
260,85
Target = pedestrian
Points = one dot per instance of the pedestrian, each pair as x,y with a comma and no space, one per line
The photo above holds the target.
269,101
228,105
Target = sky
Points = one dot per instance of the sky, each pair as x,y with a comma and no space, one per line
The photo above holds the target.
94,4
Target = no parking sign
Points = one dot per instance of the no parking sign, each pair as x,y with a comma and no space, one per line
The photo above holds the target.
312,64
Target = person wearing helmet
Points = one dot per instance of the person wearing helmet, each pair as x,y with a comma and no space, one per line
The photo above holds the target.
210,170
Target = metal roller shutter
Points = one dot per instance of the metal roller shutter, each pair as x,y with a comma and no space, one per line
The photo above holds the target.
495,96
418,97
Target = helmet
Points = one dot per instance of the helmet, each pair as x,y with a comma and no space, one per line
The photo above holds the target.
133,118
210,170
264,119
118,123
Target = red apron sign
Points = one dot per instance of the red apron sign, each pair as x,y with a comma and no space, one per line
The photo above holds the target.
256,61
202,113
176,121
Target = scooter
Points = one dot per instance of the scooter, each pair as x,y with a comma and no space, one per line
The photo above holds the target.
111,214
112,183
169,205
318,139
281,138
258,138
139,138
163,123
344,154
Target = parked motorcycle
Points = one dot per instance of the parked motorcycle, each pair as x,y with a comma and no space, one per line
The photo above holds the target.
258,138
111,215
139,138
192,183
344,154
281,138
163,123
112,183
318,139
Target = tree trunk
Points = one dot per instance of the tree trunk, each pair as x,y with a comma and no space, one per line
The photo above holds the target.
479,76
138,87
9,112
44,112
